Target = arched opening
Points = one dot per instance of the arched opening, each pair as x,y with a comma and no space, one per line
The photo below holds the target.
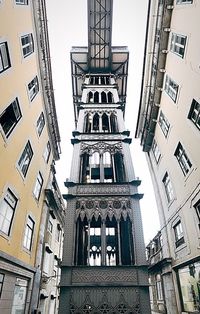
110,97
96,122
119,167
95,168
96,80
96,97
90,97
107,168
126,240
84,178
112,251
113,123
81,242
88,123
105,123
103,97
95,242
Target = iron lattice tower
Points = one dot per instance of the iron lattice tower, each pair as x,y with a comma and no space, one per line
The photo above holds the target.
104,268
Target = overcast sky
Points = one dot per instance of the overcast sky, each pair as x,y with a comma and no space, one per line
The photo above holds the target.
67,22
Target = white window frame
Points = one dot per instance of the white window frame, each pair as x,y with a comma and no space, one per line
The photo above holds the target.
164,124
40,124
159,289
177,46
171,88
182,158
156,151
184,1
33,88
178,234
13,112
38,186
4,57
25,159
47,152
168,187
194,114
7,210
28,234
28,47
21,2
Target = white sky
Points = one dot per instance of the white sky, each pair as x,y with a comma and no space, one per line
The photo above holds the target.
67,22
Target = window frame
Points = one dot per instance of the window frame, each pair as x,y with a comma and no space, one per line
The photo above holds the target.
178,234
194,113
156,151
14,106
9,198
184,2
38,186
28,234
47,152
175,46
1,282
171,88
182,158
29,46
5,56
164,124
21,2
33,88
197,210
40,124
27,152
169,191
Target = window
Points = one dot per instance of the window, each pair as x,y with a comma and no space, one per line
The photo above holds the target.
38,186
197,208
159,287
23,2
1,282
184,1
178,233
47,152
7,210
40,123
20,294
189,287
28,236
27,44
10,117
58,231
25,159
183,159
164,124
33,88
50,226
194,113
168,188
4,57
178,43
156,151
171,88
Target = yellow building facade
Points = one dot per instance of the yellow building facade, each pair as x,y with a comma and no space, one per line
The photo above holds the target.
29,144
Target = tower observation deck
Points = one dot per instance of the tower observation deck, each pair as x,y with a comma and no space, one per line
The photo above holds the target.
104,268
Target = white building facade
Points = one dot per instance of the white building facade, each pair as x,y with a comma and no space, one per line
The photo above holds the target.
169,128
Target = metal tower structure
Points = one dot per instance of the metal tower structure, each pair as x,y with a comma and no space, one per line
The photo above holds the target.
104,268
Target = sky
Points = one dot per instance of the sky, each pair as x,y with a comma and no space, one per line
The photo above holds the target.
67,23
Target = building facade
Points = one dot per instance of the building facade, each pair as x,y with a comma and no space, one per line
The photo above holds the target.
29,144
104,268
169,128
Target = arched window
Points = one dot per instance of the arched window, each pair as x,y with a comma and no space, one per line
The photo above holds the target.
81,242
90,97
112,250
95,168
119,167
88,123
96,122
96,97
113,123
126,239
107,168
110,97
107,158
84,173
96,80
105,123
103,97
